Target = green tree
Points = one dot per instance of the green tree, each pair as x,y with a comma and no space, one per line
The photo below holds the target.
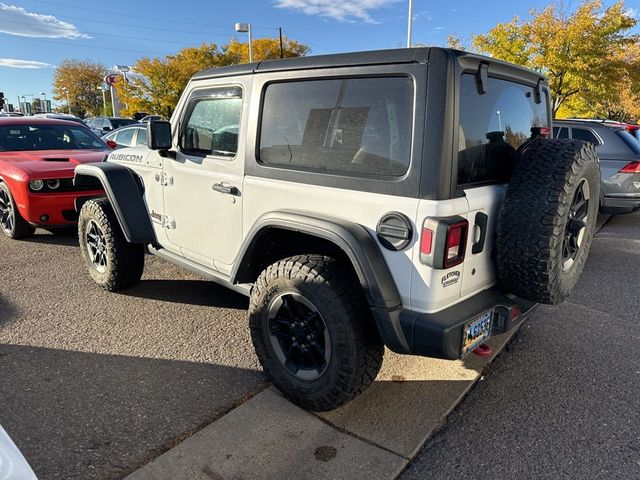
79,80
581,52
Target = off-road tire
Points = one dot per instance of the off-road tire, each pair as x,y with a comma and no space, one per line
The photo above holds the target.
21,228
535,214
356,348
124,260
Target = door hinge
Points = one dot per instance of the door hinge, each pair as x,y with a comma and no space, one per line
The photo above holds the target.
164,179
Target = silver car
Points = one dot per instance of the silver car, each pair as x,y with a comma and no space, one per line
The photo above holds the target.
619,153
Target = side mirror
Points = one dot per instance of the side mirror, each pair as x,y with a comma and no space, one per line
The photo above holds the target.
111,144
159,135
106,129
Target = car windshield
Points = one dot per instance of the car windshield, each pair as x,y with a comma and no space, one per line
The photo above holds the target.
47,137
121,122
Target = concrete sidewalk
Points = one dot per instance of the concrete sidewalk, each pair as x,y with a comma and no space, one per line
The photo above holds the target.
374,436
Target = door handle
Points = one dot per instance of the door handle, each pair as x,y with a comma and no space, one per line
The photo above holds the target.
228,189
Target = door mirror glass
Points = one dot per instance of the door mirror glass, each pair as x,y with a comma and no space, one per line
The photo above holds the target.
106,129
159,135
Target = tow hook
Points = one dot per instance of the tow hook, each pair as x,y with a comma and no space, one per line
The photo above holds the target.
483,350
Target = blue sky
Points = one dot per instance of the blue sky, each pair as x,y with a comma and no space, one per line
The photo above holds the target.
38,34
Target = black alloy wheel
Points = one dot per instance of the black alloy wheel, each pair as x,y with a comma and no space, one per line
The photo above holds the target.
299,336
576,225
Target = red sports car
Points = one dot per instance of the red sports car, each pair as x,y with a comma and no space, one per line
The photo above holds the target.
37,158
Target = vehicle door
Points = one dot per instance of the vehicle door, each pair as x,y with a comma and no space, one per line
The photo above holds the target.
493,125
203,184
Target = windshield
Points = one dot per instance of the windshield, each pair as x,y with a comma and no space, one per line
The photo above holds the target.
121,122
15,138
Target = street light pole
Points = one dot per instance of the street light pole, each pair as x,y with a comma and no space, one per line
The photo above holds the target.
104,100
44,107
66,90
246,28
410,24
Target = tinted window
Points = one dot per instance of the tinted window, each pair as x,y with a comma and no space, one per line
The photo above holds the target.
560,132
584,134
89,122
142,137
48,137
630,140
358,126
125,137
119,122
492,127
213,123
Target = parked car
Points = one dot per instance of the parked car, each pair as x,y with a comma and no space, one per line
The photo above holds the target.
127,136
37,159
619,153
338,194
150,118
101,125
59,116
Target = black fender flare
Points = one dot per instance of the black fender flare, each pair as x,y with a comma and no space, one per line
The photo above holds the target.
125,191
361,249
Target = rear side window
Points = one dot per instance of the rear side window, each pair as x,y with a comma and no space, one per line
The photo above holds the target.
492,127
212,123
125,137
141,139
630,140
585,135
560,132
357,126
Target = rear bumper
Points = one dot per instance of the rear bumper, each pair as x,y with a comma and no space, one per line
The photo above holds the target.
53,209
439,334
618,205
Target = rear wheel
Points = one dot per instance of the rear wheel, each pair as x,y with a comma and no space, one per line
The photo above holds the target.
548,219
113,263
11,222
313,332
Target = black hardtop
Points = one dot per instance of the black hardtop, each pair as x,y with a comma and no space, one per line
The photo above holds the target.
373,57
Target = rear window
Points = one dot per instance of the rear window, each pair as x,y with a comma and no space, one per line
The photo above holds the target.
630,140
492,127
121,122
355,126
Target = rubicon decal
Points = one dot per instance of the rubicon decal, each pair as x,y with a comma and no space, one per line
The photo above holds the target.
125,157
450,278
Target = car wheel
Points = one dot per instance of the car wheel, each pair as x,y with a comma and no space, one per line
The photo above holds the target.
548,219
113,263
313,331
11,222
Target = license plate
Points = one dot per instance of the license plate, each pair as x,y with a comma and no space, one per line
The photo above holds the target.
476,331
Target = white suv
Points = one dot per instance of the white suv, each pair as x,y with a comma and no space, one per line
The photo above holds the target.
405,198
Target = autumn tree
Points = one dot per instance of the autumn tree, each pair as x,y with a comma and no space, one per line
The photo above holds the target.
79,81
156,84
582,53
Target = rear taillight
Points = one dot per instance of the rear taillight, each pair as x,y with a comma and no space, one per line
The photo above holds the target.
443,241
455,244
633,167
426,241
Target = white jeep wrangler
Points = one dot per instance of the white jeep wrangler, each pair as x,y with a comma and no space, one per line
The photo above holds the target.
406,198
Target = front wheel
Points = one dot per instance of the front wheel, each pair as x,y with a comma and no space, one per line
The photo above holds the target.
313,331
11,222
113,263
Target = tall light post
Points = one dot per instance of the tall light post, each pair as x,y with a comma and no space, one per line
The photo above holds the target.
410,24
66,90
246,28
103,89
499,119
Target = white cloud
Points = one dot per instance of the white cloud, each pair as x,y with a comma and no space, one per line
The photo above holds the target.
17,21
341,10
15,63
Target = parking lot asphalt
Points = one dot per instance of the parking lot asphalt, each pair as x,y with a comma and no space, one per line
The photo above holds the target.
563,400
93,384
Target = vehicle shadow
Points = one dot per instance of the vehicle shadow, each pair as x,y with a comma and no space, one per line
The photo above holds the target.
65,237
87,415
191,292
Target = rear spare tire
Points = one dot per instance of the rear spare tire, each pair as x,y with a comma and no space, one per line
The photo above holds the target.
548,219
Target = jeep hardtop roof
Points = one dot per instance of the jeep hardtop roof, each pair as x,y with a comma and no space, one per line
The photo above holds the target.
373,57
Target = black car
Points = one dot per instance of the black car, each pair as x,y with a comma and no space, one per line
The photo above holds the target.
619,153
101,125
